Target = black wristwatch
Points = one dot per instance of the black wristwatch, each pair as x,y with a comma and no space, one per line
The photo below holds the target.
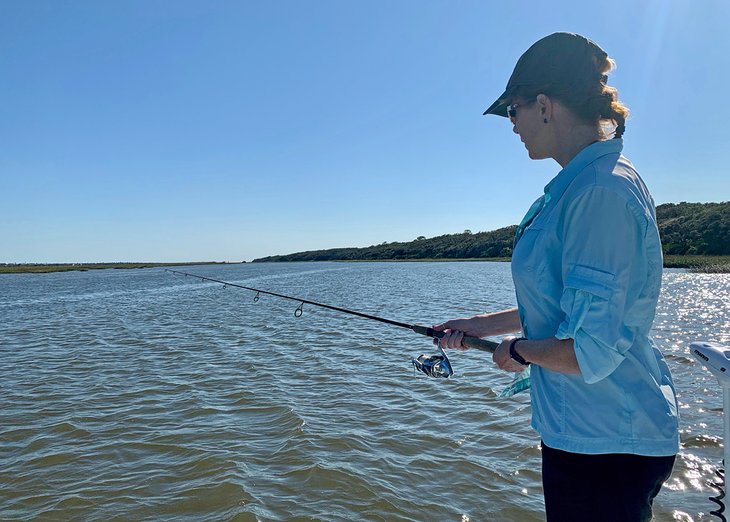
513,353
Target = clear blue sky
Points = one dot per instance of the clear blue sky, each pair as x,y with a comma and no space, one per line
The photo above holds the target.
221,130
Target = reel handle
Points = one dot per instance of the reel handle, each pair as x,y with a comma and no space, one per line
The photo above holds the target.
467,342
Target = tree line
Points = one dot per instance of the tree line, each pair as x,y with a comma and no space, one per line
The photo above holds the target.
685,228
695,228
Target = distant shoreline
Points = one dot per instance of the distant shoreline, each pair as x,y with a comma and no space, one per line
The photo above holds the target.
703,264
40,268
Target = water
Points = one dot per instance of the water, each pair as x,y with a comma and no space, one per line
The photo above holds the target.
137,395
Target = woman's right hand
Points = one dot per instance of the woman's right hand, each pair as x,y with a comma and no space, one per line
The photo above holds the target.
487,325
455,331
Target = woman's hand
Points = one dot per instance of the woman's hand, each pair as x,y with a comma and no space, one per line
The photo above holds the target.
502,359
455,331
487,325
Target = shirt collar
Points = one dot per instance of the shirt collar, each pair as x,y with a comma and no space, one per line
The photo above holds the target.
555,189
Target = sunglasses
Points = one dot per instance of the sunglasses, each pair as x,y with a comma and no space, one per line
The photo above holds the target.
512,108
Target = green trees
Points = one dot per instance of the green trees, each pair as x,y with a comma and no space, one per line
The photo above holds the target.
685,228
497,243
695,228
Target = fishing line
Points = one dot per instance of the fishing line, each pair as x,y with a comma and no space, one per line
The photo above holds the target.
434,366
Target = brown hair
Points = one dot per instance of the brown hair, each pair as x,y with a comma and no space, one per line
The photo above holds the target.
590,99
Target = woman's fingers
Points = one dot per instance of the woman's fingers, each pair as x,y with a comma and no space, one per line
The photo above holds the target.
452,339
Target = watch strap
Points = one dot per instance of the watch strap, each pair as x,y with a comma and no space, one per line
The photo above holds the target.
513,352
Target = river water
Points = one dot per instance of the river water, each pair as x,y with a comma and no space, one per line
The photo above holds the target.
139,395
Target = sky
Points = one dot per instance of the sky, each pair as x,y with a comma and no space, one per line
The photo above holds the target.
173,131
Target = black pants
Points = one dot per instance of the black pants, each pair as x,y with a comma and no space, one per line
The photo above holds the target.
613,487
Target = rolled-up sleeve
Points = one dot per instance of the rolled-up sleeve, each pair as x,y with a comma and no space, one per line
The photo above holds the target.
602,237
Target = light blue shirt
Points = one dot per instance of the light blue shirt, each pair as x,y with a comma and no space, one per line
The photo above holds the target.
588,267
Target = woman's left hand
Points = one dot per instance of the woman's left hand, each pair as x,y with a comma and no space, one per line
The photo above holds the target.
502,358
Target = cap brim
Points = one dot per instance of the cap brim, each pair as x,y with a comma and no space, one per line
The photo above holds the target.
499,107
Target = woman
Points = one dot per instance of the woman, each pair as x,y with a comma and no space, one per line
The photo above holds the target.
586,266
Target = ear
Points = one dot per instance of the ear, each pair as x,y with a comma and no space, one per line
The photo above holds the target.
545,104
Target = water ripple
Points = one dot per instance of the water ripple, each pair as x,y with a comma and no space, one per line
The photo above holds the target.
135,395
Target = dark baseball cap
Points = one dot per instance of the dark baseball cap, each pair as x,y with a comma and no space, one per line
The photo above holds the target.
559,59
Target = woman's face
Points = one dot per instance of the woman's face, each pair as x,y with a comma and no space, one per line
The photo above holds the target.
527,122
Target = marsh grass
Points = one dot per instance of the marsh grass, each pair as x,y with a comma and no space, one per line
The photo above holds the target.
33,268
705,264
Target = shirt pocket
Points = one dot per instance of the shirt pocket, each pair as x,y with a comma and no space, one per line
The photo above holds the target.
528,254
596,282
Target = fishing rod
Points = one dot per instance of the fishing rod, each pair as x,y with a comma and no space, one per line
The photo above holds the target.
467,341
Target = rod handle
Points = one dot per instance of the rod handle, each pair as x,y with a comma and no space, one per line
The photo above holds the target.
467,342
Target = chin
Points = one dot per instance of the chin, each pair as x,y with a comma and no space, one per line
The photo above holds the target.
536,155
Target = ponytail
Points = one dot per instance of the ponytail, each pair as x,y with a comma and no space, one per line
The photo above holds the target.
613,110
